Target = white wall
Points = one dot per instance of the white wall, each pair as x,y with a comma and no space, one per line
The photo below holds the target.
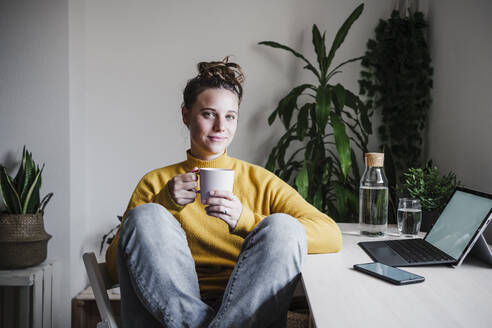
78,162
461,117
34,112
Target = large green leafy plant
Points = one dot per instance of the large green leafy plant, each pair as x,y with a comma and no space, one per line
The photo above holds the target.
21,194
322,130
397,80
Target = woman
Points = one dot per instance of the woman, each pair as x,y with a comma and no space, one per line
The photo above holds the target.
234,262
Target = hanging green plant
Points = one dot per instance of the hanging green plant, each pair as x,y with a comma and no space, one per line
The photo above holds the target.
322,131
397,81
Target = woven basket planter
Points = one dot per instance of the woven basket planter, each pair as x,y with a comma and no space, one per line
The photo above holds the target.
23,240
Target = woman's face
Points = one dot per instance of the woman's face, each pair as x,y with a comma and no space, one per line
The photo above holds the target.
212,122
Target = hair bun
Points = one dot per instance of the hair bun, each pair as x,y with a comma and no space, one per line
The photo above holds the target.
223,70
214,75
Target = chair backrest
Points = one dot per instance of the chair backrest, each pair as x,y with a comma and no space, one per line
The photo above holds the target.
100,283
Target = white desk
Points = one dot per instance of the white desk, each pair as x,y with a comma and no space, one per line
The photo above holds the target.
339,296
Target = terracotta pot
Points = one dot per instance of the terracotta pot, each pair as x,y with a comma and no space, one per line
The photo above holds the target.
428,219
23,240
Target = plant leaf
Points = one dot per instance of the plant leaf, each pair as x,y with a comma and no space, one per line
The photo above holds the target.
390,172
29,175
342,33
274,44
270,165
351,100
302,121
342,143
33,189
19,178
309,149
354,102
327,171
34,201
323,106
272,117
320,49
333,71
346,200
44,202
364,117
339,98
302,182
287,104
355,167
282,148
318,200
9,195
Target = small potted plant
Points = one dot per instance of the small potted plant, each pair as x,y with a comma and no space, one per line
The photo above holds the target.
432,188
23,240
107,239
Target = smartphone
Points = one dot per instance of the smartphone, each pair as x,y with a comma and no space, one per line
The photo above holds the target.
389,273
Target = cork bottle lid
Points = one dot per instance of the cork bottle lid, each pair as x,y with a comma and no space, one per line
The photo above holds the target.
375,159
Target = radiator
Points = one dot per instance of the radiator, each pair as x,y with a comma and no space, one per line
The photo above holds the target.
26,297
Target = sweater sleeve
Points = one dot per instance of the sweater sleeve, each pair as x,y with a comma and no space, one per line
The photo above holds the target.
323,234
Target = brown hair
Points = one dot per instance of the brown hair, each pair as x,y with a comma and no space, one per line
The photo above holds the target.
214,75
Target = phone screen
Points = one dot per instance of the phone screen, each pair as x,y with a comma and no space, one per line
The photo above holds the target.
389,273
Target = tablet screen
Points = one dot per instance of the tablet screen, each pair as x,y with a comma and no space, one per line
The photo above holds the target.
458,223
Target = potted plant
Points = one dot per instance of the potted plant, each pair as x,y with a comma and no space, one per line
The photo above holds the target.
107,239
23,240
324,124
432,188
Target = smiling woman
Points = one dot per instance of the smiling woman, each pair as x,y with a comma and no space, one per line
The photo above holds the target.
212,122
230,260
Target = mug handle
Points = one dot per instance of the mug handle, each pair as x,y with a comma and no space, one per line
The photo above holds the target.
197,173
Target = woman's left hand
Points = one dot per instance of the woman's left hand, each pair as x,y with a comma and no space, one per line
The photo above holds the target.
225,206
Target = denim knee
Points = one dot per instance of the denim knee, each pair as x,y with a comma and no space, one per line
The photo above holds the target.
148,221
283,233
149,214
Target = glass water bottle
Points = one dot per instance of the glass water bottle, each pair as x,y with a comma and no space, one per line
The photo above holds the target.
373,197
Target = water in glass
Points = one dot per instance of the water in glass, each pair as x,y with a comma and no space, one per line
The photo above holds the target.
409,216
409,220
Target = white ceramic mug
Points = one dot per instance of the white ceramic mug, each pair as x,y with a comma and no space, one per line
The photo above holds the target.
212,179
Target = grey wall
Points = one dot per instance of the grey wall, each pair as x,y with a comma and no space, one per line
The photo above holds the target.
34,112
461,117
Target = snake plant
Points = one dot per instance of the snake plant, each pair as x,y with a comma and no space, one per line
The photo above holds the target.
21,194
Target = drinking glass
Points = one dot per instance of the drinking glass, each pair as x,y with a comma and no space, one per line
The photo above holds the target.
409,216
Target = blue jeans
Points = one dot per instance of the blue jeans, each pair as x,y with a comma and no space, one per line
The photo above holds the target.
159,284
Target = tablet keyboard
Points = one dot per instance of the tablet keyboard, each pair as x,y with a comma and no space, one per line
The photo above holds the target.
418,250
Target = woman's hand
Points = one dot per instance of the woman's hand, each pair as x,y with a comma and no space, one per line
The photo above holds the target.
225,206
183,187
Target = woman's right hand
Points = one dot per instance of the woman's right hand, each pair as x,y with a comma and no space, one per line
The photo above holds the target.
183,187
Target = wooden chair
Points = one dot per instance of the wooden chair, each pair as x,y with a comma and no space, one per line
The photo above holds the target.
100,283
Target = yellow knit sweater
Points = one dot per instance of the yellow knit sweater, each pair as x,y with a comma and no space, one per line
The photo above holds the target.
214,248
